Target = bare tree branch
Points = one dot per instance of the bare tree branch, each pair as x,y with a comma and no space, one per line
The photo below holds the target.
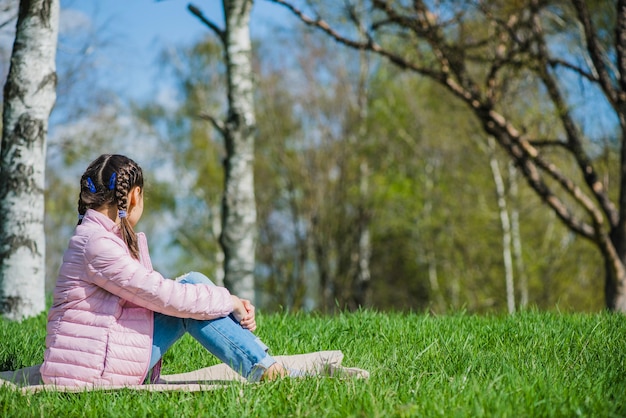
369,44
545,143
573,135
217,124
10,19
620,30
556,62
595,53
528,159
198,13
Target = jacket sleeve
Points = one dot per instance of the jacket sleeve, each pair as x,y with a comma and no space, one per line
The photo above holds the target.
112,268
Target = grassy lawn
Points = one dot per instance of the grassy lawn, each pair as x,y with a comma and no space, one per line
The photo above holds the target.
527,365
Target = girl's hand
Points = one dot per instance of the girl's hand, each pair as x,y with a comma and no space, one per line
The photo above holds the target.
244,313
249,322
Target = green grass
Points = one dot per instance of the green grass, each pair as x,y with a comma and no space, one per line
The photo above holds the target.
527,365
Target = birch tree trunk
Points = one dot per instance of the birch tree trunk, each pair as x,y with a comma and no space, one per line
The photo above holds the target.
363,276
506,227
437,295
517,239
239,234
29,95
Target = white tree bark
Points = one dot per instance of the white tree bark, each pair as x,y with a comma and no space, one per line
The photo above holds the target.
363,276
29,95
437,295
517,240
239,233
506,228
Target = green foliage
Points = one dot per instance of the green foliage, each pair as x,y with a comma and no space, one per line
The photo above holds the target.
529,364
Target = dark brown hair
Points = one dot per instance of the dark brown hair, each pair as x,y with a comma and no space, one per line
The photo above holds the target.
107,181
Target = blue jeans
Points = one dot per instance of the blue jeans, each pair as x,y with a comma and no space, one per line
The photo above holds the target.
223,337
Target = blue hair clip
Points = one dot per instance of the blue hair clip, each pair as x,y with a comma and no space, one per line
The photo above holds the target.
121,213
112,181
92,187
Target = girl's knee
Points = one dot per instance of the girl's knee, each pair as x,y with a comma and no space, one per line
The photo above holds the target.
195,277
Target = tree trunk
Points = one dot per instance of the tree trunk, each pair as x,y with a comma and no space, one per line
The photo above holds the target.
614,289
517,239
238,238
322,258
506,227
29,95
362,281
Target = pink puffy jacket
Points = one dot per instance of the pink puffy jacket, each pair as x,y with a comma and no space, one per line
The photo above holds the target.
100,324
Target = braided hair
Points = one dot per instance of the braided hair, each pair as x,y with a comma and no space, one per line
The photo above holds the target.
107,182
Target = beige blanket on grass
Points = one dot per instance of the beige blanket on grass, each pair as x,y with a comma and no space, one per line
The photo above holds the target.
323,363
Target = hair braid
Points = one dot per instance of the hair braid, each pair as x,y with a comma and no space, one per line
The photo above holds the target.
122,187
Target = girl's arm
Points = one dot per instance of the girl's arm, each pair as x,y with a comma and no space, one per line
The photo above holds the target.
113,269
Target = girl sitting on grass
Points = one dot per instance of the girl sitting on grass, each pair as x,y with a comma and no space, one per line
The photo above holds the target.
113,317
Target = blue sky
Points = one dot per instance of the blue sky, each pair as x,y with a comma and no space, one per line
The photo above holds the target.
137,30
